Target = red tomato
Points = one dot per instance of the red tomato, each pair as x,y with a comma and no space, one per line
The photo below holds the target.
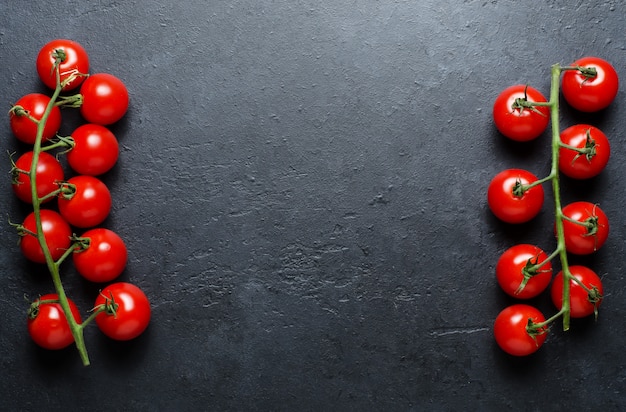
582,302
516,122
105,99
32,107
104,258
579,165
89,205
132,314
95,150
47,324
584,239
515,273
49,172
510,330
590,93
71,58
513,207
56,231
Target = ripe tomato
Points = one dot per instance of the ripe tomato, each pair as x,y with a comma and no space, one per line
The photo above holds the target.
49,172
131,316
516,122
89,205
584,239
583,165
105,99
56,231
510,330
104,257
510,206
582,302
72,58
515,274
47,324
29,107
95,150
590,93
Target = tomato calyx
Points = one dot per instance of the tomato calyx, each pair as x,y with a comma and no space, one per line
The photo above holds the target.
589,150
109,306
33,309
66,190
19,111
522,103
536,329
532,268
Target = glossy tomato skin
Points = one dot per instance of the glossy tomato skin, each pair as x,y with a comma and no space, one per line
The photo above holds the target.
580,304
89,206
510,330
47,325
510,266
590,94
76,62
49,172
105,257
580,166
132,315
511,208
35,105
105,99
56,232
521,125
95,150
578,239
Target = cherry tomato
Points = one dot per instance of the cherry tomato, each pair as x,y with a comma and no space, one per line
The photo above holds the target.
519,123
579,165
589,93
47,324
49,172
584,239
72,58
132,314
582,302
90,203
517,272
32,107
104,257
510,330
510,206
56,231
95,150
105,99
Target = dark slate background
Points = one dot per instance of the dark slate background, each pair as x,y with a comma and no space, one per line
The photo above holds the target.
301,187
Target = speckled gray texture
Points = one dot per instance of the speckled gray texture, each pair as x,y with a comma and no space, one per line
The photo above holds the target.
301,187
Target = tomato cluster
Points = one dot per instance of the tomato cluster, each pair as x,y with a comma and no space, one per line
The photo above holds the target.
70,196
516,196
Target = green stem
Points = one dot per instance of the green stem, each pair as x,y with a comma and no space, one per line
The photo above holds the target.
556,188
53,267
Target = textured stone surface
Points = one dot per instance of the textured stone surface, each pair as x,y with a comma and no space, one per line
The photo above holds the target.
301,187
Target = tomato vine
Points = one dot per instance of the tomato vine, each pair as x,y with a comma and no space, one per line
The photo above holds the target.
82,201
580,227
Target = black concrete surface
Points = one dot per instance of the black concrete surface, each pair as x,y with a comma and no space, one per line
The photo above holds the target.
301,186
